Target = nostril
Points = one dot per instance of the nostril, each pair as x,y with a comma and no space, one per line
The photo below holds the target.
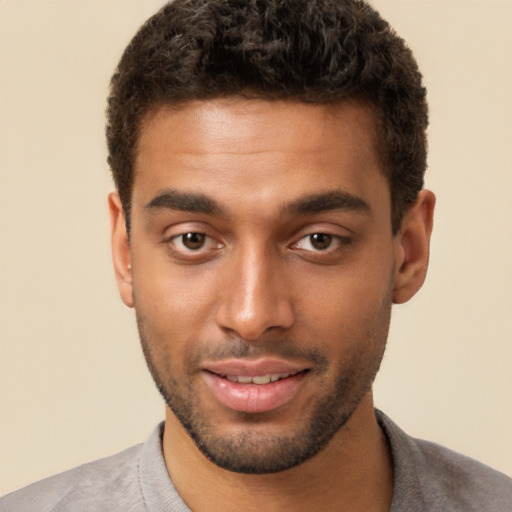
254,300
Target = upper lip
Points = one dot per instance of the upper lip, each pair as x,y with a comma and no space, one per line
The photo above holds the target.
254,368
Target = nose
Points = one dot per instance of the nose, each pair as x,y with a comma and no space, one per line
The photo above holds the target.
255,297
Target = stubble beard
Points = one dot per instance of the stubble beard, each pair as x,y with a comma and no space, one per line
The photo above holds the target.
254,452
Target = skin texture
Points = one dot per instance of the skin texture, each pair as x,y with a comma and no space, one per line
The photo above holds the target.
300,275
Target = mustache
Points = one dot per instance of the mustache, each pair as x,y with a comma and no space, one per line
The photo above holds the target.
234,347
238,348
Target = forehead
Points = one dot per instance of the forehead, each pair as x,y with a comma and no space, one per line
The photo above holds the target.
259,149
259,125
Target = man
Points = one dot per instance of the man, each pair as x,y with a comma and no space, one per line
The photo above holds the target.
269,160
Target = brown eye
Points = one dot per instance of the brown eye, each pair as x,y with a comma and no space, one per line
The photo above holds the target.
322,247
193,241
193,246
320,241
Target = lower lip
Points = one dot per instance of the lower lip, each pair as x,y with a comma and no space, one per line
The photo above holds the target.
253,398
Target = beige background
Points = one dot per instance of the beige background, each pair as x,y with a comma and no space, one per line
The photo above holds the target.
73,384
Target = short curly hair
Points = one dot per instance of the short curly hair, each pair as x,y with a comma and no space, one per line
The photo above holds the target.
314,51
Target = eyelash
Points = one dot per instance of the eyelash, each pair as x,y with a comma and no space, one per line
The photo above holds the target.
187,251
338,240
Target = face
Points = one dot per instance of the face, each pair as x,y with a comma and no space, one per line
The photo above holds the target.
262,268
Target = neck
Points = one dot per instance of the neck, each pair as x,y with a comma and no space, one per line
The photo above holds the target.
353,473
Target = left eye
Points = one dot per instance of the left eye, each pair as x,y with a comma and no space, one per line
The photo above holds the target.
317,242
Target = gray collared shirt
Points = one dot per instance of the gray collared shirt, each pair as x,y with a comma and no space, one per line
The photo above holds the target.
427,478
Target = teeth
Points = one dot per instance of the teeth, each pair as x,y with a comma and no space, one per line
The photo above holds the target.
259,379
264,379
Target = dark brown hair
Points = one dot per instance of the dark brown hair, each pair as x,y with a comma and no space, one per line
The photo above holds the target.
317,51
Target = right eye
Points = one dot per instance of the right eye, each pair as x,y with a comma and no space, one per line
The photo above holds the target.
192,244
190,241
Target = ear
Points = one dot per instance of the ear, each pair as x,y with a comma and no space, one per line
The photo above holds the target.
121,254
413,247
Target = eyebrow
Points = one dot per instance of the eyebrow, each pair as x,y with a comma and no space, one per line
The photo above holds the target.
184,201
332,200
199,203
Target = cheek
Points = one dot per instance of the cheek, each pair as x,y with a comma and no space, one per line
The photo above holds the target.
174,301
348,305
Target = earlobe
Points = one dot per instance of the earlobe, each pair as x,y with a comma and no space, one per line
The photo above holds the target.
413,247
121,254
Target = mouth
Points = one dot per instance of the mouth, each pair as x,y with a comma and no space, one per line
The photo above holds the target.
259,380
249,388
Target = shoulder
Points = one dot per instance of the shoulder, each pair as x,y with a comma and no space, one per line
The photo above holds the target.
430,477
456,478
92,486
